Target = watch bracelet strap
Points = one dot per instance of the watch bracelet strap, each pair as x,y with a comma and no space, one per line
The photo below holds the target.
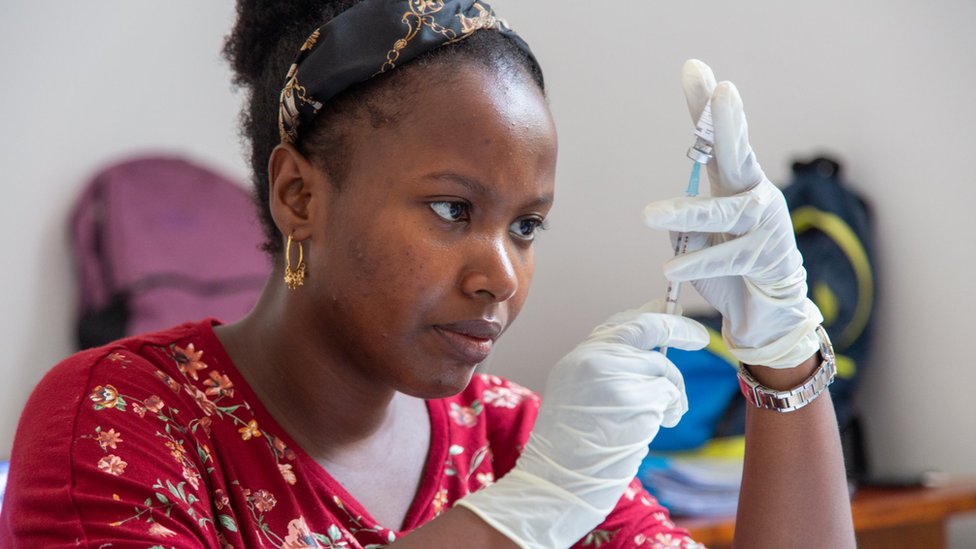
792,399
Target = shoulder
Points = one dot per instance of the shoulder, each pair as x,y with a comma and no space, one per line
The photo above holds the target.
84,408
146,362
65,386
102,378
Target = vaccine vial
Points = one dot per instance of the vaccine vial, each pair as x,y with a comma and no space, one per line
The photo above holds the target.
701,151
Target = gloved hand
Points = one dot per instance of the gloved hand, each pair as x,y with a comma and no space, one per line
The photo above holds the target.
602,406
742,255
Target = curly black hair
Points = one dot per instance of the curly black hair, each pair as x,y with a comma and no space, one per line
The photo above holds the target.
265,41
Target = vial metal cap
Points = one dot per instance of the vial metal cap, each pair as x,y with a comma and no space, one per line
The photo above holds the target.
698,155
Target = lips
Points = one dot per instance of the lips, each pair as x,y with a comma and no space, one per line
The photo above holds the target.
470,341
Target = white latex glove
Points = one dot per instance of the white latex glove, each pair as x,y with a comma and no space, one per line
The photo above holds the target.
602,406
742,255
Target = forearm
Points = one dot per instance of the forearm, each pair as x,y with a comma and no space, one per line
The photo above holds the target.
457,526
794,491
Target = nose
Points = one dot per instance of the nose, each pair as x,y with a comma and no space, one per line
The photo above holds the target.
493,271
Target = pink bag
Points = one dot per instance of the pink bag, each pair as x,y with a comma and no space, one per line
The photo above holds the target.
160,241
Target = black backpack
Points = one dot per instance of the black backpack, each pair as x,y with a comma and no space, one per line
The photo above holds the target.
833,231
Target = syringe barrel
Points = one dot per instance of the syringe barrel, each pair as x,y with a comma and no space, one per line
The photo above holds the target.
674,291
671,305
701,153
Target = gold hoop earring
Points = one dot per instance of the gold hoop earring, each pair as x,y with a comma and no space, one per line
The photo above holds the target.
294,277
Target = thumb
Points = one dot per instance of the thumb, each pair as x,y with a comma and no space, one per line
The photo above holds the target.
649,330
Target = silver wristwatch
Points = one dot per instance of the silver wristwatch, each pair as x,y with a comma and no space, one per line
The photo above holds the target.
798,397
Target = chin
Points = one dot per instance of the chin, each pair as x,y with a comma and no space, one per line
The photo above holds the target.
443,386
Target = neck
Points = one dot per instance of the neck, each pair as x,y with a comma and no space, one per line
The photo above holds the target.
326,406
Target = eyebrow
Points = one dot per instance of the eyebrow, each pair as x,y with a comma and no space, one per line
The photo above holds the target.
478,187
472,185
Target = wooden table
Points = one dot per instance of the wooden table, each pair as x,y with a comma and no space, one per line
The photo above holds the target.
883,518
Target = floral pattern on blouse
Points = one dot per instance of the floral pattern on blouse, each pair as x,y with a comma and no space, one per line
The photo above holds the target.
216,401
169,446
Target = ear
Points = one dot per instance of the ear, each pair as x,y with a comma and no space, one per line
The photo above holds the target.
296,192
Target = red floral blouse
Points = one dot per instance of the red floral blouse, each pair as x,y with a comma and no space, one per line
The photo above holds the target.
157,441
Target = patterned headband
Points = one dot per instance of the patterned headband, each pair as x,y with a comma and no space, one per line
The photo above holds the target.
371,38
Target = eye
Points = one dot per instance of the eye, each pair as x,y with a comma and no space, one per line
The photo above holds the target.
526,228
451,211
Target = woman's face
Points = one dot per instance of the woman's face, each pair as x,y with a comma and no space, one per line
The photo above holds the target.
426,254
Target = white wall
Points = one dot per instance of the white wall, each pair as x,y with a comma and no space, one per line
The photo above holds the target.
886,86
84,84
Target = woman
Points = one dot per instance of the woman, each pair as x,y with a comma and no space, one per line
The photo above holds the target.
403,166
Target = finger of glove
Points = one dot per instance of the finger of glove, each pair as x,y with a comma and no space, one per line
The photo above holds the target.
609,376
586,427
737,257
735,163
686,242
649,330
726,214
674,413
678,407
632,383
669,369
653,306
698,83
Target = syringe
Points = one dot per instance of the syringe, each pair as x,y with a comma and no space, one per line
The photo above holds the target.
701,153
